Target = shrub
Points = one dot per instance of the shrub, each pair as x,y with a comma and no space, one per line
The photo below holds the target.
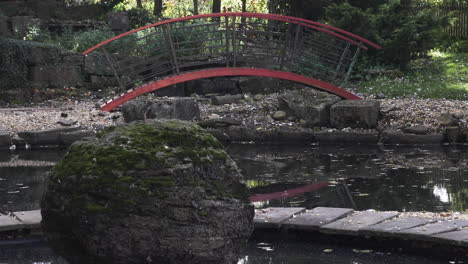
139,17
73,41
405,30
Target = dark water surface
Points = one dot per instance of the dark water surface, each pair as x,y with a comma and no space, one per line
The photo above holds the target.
398,178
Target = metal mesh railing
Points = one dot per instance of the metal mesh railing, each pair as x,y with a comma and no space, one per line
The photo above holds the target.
228,40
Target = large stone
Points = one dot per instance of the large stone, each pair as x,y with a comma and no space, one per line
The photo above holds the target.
58,76
4,30
213,86
69,138
96,63
118,21
227,99
259,85
308,104
366,137
183,108
355,114
396,137
5,139
45,137
42,55
163,191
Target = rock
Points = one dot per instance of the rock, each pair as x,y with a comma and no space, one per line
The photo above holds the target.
4,30
279,115
380,96
57,76
349,137
259,85
219,123
258,97
177,90
213,86
447,119
69,138
355,114
118,21
67,122
249,134
396,137
45,137
5,139
183,108
164,191
419,130
453,134
309,105
227,99
96,64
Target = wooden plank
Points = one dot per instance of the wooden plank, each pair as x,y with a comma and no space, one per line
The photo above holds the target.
317,217
392,227
9,223
459,238
355,222
29,219
423,232
273,217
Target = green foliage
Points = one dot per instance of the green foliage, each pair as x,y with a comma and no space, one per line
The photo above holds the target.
441,76
140,17
404,30
73,41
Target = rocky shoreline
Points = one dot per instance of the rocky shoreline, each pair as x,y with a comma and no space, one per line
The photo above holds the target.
245,118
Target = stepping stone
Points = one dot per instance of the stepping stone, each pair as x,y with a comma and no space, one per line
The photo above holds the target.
459,238
425,231
393,226
29,219
355,222
317,217
273,217
8,223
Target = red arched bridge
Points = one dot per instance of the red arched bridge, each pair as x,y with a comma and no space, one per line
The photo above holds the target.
230,44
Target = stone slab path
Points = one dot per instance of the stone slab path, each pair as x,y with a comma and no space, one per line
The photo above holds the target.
335,221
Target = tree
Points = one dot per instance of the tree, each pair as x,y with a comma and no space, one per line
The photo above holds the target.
158,8
244,5
139,4
195,7
216,6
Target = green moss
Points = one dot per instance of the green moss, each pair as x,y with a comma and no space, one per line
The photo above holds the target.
116,168
92,207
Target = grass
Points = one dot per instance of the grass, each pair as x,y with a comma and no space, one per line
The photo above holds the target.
443,75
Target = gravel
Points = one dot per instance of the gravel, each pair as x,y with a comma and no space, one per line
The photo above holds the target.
85,113
397,113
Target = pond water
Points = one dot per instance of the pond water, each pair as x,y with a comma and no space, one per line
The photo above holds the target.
397,178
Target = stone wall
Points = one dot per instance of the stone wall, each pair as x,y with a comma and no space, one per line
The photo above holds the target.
27,66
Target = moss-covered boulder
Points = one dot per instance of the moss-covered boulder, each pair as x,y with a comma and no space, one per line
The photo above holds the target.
159,192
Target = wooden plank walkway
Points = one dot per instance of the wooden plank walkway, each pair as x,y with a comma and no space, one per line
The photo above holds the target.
326,220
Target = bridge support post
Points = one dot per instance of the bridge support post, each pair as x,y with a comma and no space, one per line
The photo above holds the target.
170,44
356,54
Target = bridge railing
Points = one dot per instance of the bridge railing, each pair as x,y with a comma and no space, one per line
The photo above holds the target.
263,41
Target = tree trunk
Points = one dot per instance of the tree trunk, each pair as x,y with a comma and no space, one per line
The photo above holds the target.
195,7
216,6
158,8
244,6
139,4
